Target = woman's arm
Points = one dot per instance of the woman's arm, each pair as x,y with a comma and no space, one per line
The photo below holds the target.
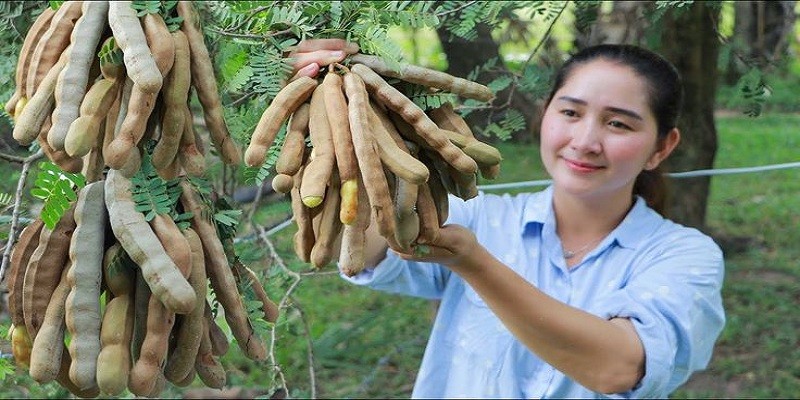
605,356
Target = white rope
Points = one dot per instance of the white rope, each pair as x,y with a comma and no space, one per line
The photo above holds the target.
545,182
678,175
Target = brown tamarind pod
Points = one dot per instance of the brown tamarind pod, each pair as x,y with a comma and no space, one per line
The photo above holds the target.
372,175
291,155
319,169
433,136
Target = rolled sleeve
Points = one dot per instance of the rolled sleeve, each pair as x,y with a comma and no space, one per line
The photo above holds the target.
395,275
674,302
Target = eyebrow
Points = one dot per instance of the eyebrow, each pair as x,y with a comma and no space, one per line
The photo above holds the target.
616,110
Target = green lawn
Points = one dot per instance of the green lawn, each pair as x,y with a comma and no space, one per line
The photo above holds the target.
368,344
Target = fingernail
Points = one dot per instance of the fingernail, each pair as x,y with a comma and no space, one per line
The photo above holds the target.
337,54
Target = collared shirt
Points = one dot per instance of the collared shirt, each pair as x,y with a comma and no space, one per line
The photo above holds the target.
664,277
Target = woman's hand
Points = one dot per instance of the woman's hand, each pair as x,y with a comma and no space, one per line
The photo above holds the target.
454,246
311,55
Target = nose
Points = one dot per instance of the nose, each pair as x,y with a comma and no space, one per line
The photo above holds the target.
586,137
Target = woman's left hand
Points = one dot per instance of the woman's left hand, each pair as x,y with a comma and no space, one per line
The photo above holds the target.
455,245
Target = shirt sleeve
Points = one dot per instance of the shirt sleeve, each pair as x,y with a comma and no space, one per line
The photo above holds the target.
426,280
674,301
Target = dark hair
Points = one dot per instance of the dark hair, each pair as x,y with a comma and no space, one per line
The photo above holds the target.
665,94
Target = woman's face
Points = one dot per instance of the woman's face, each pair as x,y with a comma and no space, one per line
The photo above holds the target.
599,132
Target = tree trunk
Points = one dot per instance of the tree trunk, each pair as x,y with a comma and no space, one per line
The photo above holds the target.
765,27
463,56
624,24
689,40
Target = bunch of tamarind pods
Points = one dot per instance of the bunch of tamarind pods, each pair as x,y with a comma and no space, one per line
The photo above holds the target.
127,294
89,112
130,296
374,156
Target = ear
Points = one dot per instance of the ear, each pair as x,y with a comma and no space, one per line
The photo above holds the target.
665,147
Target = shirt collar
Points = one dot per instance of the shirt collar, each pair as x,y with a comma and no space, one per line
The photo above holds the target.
636,225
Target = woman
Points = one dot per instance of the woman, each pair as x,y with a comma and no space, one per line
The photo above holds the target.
582,289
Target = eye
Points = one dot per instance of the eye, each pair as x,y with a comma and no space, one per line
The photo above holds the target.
619,125
569,112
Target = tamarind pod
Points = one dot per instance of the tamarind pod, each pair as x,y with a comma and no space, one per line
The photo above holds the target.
32,38
160,42
134,158
144,374
293,149
85,277
141,301
74,78
111,119
427,77
180,362
30,120
128,32
175,243
114,360
329,228
461,135
189,153
202,70
395,157
60,158
282,183
219,342
188,379
335,103
144,248
16,107
221,277
427,215
351,254
118,277
171,171
319,169
411,113
52,45
284,104
83,133
175,95
269,307
15,277
49,342
206,364
367,155
21,346
405,199
439,196
461,185
133,127
304,238
93,163
66,383
158,387
348,209
44,270
111,70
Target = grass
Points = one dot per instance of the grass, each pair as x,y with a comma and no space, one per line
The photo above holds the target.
367,344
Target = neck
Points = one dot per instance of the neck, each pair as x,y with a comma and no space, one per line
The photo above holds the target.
580,220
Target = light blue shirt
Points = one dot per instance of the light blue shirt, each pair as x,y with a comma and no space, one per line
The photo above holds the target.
663,276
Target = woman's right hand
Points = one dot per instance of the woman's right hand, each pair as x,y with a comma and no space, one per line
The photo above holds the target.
311,55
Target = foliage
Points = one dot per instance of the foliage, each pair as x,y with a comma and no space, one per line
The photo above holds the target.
153,194
164,8
57,189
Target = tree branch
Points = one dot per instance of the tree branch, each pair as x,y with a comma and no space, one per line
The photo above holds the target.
12,232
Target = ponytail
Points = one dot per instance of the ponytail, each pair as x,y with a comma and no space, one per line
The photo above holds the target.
651,185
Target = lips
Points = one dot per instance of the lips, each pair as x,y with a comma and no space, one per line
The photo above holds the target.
582,166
